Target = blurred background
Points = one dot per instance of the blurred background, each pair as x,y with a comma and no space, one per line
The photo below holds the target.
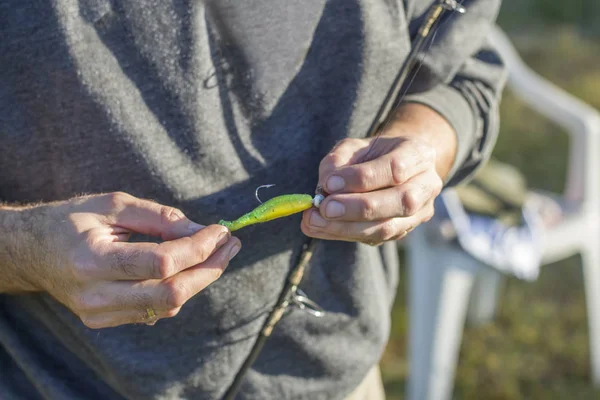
537,347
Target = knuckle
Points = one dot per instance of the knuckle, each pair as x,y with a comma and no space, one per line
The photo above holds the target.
94,240
398,169
335,228
429,152
125,263
170,313
347,142
410,203
387,230
91,322
163,265
420,145
171,214
364,176
430,214
175,294
306,229
117,200
330,161
213,274
88,302
81,272
79,302
369,209
438,185
82,268
415,143
203,250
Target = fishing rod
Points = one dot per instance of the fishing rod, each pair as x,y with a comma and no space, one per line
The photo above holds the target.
281,206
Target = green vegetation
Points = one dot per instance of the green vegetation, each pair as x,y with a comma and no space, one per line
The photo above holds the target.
537,347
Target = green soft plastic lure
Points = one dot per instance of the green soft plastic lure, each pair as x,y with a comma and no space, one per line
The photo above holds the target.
277,207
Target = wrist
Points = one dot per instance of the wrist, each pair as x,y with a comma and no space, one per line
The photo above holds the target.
18,250
414,120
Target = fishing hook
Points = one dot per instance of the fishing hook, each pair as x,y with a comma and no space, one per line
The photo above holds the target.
261,187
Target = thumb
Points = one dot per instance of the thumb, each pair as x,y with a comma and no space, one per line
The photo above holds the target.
346,152
150,218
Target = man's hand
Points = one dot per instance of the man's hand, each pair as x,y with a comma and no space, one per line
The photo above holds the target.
77,251
386,195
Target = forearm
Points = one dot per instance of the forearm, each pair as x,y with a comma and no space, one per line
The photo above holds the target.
18,249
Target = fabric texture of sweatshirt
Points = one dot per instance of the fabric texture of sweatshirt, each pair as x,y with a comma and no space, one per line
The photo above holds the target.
194,104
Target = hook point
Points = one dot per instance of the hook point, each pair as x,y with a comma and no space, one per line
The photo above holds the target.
261,187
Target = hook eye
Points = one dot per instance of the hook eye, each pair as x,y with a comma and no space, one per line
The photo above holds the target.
300,299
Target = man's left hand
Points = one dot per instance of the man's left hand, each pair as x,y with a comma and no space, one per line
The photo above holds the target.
388,194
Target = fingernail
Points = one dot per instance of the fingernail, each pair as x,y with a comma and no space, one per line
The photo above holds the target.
317,221
223,238
335,183
334,209
194,227
234,250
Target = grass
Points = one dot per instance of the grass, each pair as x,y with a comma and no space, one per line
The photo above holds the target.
537,347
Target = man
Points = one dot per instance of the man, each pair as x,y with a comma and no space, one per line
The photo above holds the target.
128,128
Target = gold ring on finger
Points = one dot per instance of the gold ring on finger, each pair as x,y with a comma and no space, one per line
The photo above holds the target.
150,314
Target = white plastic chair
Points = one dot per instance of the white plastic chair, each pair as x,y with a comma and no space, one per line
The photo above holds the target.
448,286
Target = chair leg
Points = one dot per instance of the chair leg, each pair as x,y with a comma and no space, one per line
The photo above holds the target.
487,289
440,283
591,274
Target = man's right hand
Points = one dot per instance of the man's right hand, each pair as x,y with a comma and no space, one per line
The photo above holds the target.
78,252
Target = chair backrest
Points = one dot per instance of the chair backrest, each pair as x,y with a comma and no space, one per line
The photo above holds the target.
581,121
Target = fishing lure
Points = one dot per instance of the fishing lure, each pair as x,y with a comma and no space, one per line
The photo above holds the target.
277,207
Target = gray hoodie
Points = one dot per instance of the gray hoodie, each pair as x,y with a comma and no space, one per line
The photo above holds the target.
194,104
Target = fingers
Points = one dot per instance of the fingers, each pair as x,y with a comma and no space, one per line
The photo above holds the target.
404,160
373,232
118,318
126,302
119,304
146,217
397,201
138,261
197,278
378,190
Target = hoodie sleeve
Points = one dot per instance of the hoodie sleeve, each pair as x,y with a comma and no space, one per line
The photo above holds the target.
461,76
